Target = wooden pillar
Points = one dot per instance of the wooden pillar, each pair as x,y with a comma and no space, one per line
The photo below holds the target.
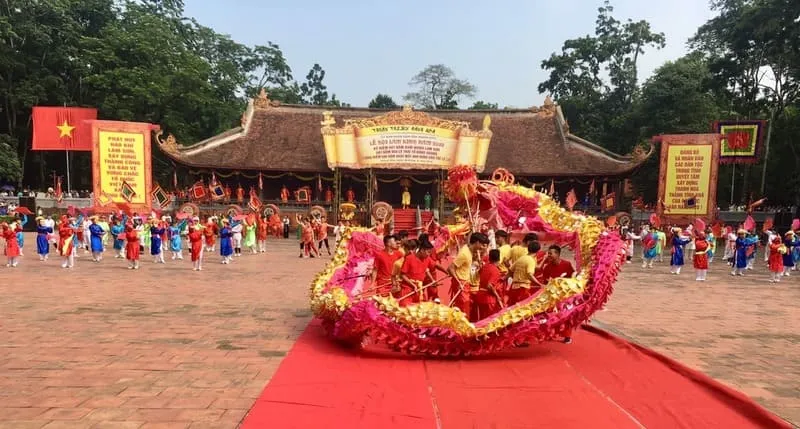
620,194
337,193
370,194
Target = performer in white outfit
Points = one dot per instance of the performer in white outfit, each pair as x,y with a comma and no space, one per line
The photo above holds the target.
237,238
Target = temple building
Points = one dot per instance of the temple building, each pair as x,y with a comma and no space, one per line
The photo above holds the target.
296,155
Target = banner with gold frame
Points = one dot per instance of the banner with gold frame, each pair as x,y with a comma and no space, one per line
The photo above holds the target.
687,185
406,139
741,140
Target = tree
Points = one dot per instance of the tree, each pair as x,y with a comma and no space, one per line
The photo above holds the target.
615,48
314,90
753,50
382,101
9,162
438,88
482,105
133,60
677,99
597,107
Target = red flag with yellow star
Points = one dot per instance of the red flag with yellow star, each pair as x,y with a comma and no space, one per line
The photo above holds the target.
62,128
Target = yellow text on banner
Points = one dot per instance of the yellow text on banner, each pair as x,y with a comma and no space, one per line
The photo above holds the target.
688,177
395,145
122,159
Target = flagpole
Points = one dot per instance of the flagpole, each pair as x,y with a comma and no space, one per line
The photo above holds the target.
67,152
68,182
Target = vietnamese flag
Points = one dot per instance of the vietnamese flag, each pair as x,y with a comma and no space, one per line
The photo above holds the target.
62,128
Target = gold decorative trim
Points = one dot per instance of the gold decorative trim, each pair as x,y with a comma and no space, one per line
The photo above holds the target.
327,119
407,116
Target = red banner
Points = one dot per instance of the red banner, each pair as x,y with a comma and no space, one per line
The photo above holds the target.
62,128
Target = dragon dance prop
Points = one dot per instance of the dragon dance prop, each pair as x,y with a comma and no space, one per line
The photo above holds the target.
340,294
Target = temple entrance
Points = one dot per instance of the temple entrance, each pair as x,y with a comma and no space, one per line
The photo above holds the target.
424,190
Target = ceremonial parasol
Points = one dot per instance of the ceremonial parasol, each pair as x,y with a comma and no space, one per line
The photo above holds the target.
23,211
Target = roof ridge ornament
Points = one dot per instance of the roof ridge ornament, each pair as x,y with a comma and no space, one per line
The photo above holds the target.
169,144
408,107
262,100
548,109
327,119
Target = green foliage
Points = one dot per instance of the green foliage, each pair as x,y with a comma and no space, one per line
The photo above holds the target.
482,105
382,101
133,60
437,87
596,107
313,90
677,99
9,162
753,48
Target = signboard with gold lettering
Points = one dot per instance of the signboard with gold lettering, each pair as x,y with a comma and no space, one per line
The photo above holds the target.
121,163
404,140
687,186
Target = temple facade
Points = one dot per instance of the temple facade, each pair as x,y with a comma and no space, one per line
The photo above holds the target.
294,156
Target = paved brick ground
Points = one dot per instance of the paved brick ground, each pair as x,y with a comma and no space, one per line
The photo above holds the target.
101,346
742,331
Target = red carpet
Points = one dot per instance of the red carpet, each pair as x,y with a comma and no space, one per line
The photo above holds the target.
599,381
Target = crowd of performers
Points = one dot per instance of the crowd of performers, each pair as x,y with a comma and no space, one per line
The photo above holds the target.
781,253
487,274
131,237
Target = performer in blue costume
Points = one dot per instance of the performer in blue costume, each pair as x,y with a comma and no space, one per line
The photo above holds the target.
712,245
678,242
796,257
77,233
791,242
118,232
225,245
175,241
156,231
650,245
743,243
43,233
96,233
20,235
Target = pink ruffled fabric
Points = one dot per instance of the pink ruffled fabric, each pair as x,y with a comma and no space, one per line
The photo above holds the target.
364,321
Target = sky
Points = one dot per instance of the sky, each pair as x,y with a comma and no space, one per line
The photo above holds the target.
371,47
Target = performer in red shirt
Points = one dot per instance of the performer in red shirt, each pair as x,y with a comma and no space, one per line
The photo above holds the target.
776,251
210,233
556,267
9,233
196,243
262,230
382,266
700,260
66,242
415,273
132,246
488,300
